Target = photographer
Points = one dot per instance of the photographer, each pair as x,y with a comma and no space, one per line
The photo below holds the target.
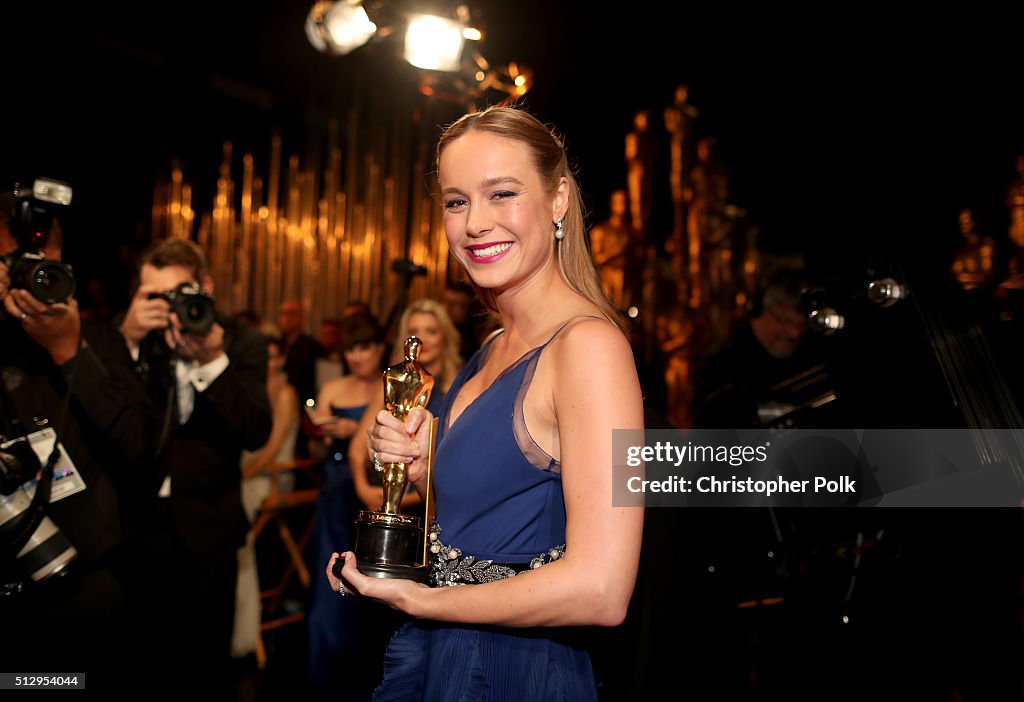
207,376
773,368
59,606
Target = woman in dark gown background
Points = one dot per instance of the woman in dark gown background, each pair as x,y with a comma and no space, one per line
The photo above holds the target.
336,650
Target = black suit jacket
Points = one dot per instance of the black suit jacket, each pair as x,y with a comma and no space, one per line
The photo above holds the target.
35,391
202,455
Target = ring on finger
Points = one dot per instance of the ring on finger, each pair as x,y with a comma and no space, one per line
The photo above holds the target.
376,462
341,589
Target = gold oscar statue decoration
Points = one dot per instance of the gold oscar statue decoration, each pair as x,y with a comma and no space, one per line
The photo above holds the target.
389,544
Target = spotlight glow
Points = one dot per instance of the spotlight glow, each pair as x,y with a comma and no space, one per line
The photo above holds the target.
433,43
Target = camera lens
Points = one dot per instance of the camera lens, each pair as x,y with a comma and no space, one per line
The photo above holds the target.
194,309
51,282
195,312
47,281
47,550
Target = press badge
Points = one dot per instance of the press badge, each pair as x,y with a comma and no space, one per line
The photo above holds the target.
66,479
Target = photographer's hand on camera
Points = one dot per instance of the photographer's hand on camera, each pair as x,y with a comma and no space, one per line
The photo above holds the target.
57,328
144,315
192,347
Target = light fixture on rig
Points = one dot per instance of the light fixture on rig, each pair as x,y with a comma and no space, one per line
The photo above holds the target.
338,27
442,44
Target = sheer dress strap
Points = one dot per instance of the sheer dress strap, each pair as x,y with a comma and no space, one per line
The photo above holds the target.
537,456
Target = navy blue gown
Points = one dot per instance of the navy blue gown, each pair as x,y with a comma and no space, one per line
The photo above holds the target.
499,498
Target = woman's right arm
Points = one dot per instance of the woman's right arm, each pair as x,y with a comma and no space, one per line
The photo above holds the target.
325,398
333,394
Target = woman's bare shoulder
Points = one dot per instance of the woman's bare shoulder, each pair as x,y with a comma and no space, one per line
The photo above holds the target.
591,335
594,372
589,346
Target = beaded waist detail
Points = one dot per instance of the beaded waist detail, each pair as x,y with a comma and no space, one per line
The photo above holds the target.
448,567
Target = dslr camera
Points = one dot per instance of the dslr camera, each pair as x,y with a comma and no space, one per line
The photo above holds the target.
42,549
30,221
193,305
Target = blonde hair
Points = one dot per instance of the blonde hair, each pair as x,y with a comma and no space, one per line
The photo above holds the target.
574,260
451,357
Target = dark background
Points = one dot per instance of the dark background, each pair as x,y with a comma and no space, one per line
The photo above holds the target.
847,133
841,132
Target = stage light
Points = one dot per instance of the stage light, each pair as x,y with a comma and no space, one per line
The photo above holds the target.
826,320
822,316
886,292
339,27
434,43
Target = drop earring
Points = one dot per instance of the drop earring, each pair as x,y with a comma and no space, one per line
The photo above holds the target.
559,232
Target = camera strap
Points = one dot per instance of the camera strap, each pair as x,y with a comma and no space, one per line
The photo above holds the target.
28,521
169,409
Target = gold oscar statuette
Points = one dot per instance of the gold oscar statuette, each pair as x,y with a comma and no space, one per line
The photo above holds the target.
389,544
